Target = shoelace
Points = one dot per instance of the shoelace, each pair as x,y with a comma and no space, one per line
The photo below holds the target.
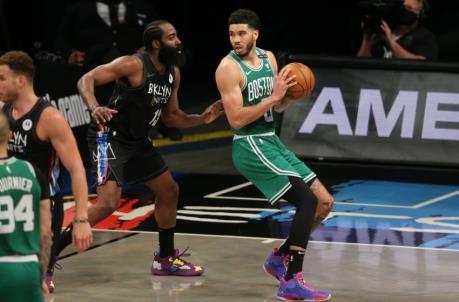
182,254
305,285
178,256
57,266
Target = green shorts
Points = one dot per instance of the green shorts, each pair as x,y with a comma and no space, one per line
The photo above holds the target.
20,282
266,162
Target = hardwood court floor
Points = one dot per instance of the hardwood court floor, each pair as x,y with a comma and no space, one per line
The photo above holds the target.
119,271
392,240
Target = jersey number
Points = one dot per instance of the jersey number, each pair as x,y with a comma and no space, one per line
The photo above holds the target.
269,117
22,212
155,118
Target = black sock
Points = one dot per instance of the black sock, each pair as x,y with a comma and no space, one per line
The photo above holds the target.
295,263
166,242
64,240
283,249
57,218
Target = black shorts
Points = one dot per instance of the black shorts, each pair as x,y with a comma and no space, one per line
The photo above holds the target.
115,158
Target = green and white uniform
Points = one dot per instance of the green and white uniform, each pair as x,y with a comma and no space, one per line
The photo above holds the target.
20,195
258,153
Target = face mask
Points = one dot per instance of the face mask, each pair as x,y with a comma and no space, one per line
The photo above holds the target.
407,17
172,56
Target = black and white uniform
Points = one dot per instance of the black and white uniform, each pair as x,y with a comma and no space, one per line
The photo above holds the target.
25,144
121,149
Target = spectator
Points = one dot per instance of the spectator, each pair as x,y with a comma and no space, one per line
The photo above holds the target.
406,40
96,32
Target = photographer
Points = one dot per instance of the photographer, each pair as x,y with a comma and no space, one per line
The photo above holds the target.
391,30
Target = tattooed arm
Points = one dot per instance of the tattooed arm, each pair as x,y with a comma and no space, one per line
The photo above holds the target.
45,235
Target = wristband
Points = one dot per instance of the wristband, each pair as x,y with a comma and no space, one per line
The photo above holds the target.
77,220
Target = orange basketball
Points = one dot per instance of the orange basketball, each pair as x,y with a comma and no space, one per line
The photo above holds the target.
304,78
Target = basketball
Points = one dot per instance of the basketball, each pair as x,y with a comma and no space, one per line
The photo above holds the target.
304,78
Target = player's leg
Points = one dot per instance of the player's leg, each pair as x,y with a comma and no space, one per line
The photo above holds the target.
168,261
20,281
57,218
108,196
148,167
108,160
325,200
305,203
261,161
292,285
166,191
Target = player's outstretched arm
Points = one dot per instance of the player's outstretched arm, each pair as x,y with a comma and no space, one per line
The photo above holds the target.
173,116
58,132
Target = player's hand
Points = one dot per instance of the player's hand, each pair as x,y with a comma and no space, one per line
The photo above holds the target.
213,112
102,114
81,236
282,82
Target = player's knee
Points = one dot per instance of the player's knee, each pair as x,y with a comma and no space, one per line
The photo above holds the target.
324,207
173,190
169,193
300,195
108,205
112,206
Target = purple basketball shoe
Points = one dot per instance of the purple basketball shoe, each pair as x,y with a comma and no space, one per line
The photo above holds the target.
276,265
175,265
296,289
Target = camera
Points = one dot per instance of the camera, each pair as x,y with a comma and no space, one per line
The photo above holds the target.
374,11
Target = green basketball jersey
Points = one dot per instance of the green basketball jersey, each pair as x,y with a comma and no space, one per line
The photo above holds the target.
20,195
258,85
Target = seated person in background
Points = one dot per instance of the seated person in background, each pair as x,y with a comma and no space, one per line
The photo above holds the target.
95,32
406,40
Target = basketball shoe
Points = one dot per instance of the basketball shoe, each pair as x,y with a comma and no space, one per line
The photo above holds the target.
50,273
276,265
296,289
175,265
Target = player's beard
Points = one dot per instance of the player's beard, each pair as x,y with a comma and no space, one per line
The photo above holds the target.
172,55
9,97
248,49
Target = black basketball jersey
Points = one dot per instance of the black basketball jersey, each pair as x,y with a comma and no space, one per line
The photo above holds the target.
139,108
25,144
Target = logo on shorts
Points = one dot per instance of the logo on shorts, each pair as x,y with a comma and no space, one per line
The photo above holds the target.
104,152
170,78
27,124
